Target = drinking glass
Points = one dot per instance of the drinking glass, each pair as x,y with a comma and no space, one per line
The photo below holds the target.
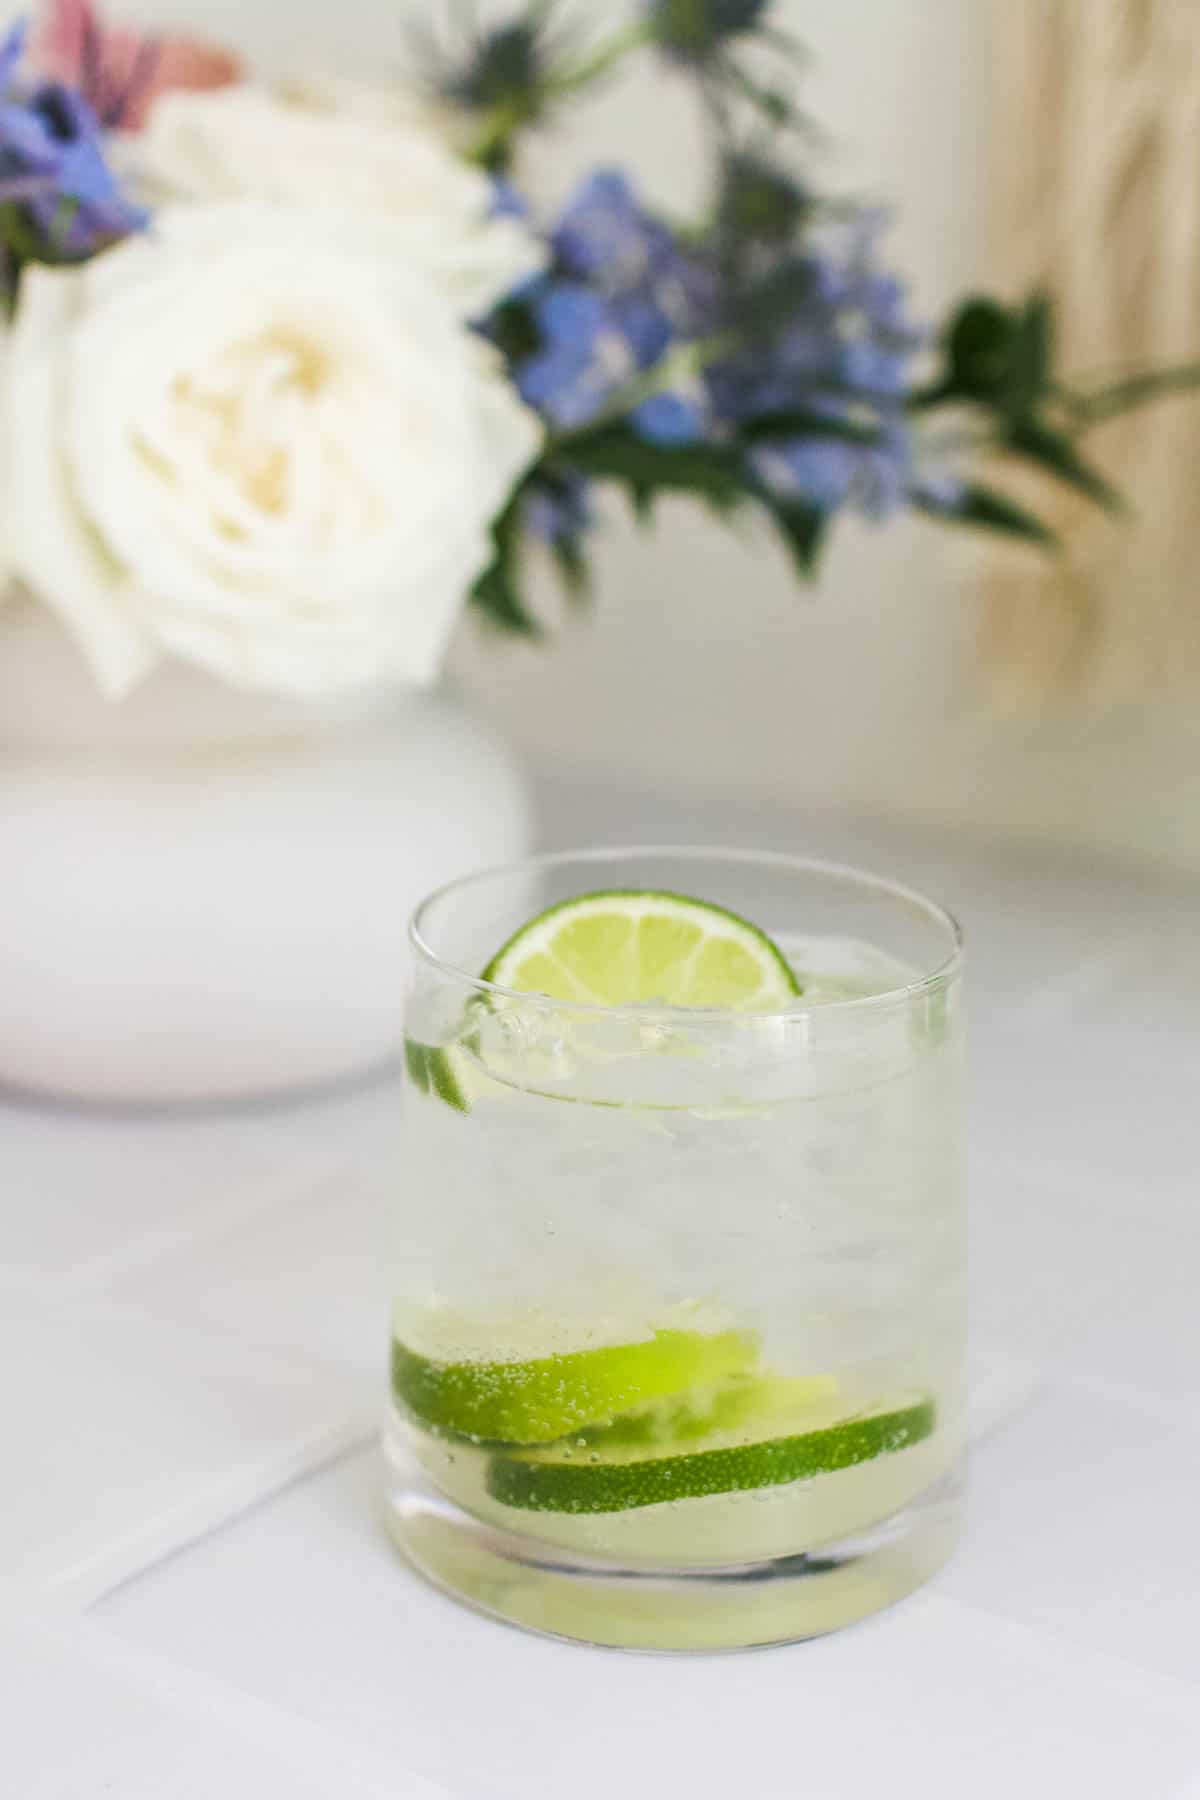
678,1339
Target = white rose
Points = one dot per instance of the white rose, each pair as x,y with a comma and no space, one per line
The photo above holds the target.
403,186
392,103
247,440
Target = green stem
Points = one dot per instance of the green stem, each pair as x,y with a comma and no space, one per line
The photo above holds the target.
504,121
603,58
1090,410
773,104
964,441
680,364
65,214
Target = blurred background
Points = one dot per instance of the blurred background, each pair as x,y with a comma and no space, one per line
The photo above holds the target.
701,667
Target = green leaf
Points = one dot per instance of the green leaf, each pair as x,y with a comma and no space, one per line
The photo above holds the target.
1135,390
513,328
1031,357
615,452
572,566
759,201
798,424
991,510
978,346
18,235
1055,452
641,499
496,596
803,530
497,593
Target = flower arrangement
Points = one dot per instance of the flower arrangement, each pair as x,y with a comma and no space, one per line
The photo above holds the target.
292,372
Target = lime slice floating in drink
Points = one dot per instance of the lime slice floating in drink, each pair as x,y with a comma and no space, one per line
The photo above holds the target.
594,1476
541,1399
634,947
624,947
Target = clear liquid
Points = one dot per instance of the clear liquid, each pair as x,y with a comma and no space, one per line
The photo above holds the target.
804,1191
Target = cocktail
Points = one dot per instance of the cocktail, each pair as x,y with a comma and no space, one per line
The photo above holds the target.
677,1354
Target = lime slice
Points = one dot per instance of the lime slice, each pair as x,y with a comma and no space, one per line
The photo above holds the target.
547,1397
439,1072
616,1477
735,1403
630,947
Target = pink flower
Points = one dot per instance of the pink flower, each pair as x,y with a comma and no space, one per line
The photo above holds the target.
119,71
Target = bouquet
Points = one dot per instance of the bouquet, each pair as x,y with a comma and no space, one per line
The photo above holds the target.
292,373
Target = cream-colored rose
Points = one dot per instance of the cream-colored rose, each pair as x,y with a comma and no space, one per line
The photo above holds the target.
401,184
395,102
259,442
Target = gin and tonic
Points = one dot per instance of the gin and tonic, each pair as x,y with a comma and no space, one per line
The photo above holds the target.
677,1353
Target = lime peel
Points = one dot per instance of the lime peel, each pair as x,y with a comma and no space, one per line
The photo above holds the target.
438,1072
565,1479
542,1399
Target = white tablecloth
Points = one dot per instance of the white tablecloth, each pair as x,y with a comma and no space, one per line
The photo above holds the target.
196,1598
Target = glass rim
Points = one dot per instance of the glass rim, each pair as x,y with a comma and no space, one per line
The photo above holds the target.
936,978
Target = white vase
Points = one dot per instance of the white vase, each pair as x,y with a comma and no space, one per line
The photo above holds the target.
204,893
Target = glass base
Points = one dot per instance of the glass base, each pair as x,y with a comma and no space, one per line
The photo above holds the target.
636,1605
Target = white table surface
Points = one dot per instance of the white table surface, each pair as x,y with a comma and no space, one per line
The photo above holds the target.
196,1598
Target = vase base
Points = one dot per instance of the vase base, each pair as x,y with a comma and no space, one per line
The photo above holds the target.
227,923
382,1073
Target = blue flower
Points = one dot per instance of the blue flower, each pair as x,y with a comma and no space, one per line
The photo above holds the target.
11,51
819,471
507,200
53,165
582,358
606,236
669,418
840,346
621,293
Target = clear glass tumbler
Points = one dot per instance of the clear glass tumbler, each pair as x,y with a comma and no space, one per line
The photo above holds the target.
678,1342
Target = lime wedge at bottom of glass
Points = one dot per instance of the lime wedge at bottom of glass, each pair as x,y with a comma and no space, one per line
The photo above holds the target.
541,1399
567,1478
743,1402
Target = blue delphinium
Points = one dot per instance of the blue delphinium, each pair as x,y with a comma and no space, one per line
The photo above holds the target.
763,357
62,199
621,292
839,348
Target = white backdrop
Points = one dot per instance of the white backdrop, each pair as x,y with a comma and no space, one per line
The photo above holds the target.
702,665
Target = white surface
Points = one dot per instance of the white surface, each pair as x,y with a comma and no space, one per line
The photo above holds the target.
188,1299
944,1696
195,1311
83,1715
